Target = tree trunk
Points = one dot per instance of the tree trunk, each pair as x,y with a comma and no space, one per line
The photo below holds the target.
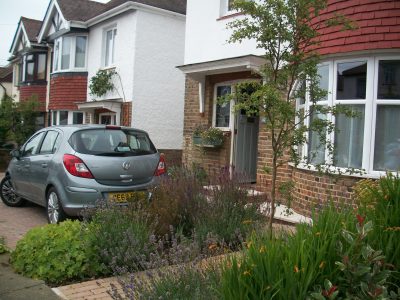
273,195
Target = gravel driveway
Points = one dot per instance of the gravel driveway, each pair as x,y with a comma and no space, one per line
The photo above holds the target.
16,221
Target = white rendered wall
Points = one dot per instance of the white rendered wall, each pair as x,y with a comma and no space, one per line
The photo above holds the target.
206,36
158,86
8,86
124,54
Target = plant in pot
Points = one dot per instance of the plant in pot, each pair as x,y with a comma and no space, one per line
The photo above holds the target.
197,139
213,137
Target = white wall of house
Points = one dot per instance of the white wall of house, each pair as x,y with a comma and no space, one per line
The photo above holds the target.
207,35
124,54
158,86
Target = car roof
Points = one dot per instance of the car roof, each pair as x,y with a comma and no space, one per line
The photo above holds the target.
77,127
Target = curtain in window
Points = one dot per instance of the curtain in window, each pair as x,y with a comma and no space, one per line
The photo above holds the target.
387,138
80,52
349,138
316,143
66,53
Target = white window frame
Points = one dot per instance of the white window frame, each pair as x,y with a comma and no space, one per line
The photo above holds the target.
370,103
232,103
114,117
112,57
70,116
57,59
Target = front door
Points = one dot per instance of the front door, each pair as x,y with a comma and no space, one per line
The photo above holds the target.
246,146
107,118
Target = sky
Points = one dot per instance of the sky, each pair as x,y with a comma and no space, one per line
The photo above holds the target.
10,12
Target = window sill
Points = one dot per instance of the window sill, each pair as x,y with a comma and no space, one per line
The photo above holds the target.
341,171
229,15
108,68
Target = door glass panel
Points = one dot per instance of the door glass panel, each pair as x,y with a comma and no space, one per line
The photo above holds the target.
349,138
351,80
387,138
223,111
389,79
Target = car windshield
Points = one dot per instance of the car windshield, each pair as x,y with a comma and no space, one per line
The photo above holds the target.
112,142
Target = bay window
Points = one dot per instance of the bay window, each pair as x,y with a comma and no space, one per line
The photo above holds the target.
66,117
368,88
70,53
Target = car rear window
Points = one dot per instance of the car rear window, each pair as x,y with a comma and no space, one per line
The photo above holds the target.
112,142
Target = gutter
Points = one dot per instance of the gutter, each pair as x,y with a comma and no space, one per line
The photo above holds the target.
132,6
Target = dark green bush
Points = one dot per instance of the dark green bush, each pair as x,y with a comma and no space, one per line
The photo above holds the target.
55,253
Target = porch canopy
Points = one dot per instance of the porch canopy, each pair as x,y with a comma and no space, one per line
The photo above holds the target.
110,105
199,71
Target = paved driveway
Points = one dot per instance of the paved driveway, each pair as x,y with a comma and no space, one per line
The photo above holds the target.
16,221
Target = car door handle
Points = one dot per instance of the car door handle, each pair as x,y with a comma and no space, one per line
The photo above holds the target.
44,165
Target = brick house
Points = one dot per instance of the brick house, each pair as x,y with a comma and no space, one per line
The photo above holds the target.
30,62
359,68
142,41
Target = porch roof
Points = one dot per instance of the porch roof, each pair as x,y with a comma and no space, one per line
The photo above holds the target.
198,71
112,105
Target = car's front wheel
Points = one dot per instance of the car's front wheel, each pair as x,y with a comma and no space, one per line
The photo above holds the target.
8,195
55,212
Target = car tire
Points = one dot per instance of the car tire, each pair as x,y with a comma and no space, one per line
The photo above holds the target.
8,195
54,209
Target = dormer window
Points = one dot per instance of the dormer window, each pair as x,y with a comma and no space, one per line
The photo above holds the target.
70,54
34,67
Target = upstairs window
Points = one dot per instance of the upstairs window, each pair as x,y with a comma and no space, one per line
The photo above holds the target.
70,53
109,47
35,67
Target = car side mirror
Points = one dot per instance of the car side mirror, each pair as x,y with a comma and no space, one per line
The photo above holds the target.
15,153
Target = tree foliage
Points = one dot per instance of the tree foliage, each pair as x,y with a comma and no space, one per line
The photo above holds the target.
285,30
17,119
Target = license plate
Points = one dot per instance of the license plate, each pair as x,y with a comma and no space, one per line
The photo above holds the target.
127,196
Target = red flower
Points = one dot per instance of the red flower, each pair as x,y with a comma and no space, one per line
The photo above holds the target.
360,220
329,292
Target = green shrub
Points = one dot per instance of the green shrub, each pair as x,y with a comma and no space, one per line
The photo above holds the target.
3,247
286,266
380,203
120,236
55,253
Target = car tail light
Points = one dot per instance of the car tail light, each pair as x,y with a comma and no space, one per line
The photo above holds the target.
75,166
161,167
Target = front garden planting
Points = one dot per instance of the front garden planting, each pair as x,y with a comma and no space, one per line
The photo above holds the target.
163,249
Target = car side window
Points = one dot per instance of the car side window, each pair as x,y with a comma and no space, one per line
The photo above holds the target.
49,142
32,146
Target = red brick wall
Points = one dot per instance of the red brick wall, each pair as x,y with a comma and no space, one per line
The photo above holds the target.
66,90
39,91
126,114
378,24
313,190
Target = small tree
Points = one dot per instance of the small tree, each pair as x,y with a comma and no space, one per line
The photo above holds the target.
283,28
17,119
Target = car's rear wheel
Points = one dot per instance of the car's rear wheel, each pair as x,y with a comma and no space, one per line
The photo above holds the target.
55,212
8,195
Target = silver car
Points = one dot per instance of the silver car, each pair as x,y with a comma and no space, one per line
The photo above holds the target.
69,168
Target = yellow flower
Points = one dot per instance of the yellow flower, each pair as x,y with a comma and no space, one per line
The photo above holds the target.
246,273
262,249
248,245
296,269
247,222
212,246
318,233
322,265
